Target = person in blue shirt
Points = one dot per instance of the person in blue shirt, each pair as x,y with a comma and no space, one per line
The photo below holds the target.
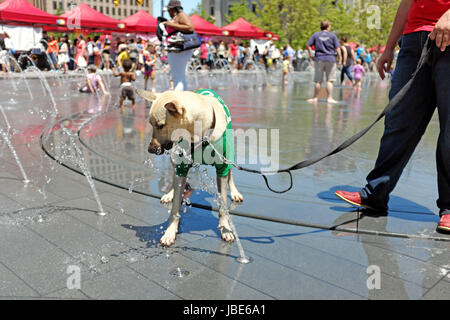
326,44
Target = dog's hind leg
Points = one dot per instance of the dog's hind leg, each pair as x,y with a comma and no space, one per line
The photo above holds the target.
224,225
170,234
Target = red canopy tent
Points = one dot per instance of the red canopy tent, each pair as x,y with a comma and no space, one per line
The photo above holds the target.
86,18
241,28
23,12
203,27
141,21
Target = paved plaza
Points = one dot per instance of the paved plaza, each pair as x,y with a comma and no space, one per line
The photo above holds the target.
304,244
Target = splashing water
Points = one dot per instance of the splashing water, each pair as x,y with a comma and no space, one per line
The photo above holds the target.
73,153
16,157
208,185
135,183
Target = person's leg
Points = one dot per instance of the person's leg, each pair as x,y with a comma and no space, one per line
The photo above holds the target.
441,74
178,62
122,97
349,74
404,125
318,78
330,73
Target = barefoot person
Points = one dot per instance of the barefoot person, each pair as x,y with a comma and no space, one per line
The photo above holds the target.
416,21
127,76
359,72
326,44
347,59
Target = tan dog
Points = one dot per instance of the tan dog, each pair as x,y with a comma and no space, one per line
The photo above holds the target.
175,110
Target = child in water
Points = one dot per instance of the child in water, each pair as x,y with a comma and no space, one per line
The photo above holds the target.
149,65
93,82
359,72
126,78
286,69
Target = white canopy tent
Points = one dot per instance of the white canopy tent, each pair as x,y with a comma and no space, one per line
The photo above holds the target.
21,38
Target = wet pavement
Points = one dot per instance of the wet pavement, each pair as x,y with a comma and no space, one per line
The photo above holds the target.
304,244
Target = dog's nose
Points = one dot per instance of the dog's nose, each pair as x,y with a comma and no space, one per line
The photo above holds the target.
168,146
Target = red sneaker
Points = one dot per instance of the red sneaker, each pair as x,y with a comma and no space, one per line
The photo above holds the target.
444,224
353,198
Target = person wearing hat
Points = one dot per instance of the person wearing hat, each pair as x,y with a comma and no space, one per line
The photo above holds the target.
106,52
178,60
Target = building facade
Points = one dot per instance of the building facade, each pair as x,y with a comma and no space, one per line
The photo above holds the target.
218,9
125,9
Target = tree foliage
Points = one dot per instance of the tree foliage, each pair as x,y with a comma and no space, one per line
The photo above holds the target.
241,9
365,21
202,13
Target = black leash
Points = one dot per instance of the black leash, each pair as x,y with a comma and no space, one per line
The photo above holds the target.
391,105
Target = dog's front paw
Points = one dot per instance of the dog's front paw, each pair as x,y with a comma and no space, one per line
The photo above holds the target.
167,198
225,230
168,238
236,196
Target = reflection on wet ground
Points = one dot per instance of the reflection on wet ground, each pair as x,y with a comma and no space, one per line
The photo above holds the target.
114,144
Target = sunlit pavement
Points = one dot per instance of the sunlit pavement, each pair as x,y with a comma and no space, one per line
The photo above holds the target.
313,247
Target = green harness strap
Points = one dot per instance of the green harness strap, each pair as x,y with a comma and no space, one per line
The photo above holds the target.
224,145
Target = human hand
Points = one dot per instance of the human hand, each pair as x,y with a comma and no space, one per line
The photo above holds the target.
441,32
385,62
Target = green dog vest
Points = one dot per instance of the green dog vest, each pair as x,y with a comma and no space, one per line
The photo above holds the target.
224,145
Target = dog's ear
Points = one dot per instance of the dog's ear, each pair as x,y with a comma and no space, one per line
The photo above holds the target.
175,108
147,95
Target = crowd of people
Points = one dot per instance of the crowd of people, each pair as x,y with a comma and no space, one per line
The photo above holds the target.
62,53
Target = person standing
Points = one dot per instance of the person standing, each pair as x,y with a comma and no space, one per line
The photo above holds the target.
3,51
204,54
347,59
233,53
416,22
326,44
97,52
222,50
63,54
359,72
106,53
52,50
133,51
178,60
80,58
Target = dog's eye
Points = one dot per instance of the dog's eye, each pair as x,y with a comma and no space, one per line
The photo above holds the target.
159,127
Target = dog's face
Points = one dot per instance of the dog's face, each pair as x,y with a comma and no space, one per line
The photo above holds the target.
171,117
